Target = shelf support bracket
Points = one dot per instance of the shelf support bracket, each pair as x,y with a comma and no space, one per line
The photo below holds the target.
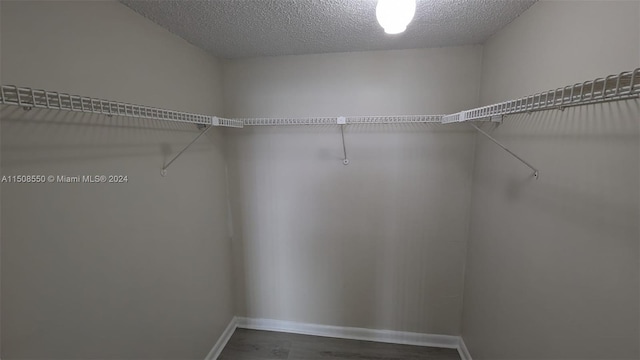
165,167
342,121
536,173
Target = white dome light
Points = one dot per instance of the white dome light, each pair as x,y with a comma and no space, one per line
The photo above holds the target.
395,15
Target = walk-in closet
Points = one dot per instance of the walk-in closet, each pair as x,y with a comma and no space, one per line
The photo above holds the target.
306,179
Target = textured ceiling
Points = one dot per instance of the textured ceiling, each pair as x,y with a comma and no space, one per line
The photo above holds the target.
250,28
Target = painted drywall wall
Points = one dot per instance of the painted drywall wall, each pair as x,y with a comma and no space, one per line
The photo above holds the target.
421,81
552,268
379,243
132,270
1,192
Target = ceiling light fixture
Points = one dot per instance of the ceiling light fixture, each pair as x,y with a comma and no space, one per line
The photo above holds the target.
395,15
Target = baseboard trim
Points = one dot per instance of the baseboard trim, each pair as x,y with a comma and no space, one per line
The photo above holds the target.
463,351
222,340
386,336
353,333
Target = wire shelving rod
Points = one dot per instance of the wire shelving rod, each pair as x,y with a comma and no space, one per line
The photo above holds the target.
398,119
623,86
29,98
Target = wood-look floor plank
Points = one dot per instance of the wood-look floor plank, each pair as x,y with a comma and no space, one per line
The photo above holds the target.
259,345
269,345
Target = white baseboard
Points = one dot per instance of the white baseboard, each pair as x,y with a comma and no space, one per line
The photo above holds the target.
222,340
353,333
386,336
463,351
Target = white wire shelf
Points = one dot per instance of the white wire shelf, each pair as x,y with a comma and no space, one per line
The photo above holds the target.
32,98
610,88
400,119
623,86
233,123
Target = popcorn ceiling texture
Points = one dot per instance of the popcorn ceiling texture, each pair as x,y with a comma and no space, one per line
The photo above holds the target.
251,28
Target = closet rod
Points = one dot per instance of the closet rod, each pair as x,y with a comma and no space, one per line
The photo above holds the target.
29,98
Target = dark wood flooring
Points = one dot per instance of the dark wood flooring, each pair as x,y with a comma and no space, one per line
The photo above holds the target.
262,345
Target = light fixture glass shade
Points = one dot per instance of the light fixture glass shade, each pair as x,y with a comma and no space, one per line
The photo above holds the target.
395,15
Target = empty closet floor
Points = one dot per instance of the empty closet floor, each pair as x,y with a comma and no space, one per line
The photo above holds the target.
258,345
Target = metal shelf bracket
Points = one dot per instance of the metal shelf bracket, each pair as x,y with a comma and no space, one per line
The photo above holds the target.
342,121
214,122
536,173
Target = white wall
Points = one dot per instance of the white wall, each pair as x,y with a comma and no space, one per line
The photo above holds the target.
1,191
143,269
135,270
379,243
552,267
422,81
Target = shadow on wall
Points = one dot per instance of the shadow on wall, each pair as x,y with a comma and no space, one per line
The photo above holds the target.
40,136
558,254
377,244
563,144
88,267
